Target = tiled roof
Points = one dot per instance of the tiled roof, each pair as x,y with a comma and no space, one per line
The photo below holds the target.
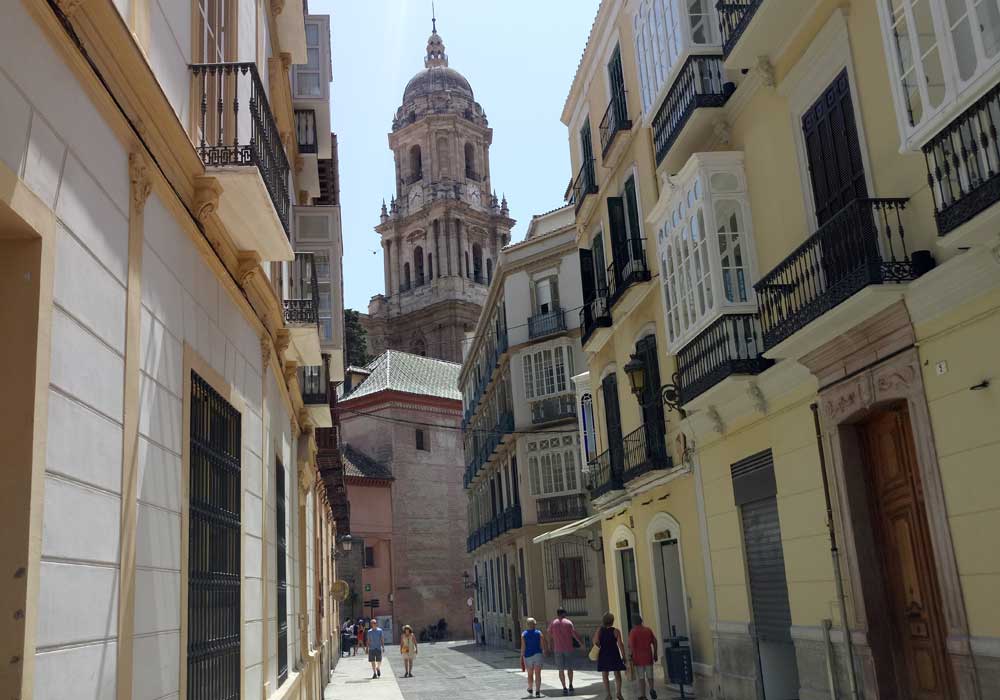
413,374
358,464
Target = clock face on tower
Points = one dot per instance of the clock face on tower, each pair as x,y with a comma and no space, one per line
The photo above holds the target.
474,193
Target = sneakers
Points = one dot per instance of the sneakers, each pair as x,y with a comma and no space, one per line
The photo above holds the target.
565,691
571,690
374,675
652,693
538,693
378,672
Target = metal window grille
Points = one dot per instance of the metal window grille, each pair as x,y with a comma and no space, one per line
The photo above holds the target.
282,582
569,547
214,547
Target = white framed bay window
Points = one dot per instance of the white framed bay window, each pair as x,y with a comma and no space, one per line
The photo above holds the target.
547,371
706,247
666,32
942,56
553,466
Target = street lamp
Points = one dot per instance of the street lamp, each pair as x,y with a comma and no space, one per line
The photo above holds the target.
467,583
345,544
635,370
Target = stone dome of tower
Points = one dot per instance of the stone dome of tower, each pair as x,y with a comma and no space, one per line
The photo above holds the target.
436,75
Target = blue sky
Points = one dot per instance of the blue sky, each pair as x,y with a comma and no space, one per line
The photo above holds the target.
519,56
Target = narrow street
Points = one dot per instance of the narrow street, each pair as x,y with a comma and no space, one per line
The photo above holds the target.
458,671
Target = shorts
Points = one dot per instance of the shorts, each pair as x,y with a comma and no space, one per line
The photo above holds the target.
562,659
641,671
533,661
375,654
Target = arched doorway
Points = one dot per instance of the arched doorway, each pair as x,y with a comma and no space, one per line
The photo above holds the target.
626,579
663,537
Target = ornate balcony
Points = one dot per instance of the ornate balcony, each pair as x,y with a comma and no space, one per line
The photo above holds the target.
315,384
553,408
572,506
301,310
595,314
628,268
604,473
615,119
733,344
684,118
734,16
239,143
644,450
305,130
963,165
550,323
863,244
585,183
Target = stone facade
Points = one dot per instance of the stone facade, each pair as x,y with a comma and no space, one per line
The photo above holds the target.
444,227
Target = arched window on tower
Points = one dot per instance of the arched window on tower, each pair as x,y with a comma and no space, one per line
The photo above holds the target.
418,346
477,263
430,266
416,164
418,266
470,161
406,277
468,270
489,271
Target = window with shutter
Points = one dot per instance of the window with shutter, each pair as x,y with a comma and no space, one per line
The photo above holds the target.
571,578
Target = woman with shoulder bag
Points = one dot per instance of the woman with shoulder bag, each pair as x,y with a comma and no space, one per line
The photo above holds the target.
609,652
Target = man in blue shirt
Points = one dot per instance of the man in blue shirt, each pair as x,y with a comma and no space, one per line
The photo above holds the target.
375,643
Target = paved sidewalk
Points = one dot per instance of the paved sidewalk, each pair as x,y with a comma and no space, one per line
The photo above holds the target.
460,671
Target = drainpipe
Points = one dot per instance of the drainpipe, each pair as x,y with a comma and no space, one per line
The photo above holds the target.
835,555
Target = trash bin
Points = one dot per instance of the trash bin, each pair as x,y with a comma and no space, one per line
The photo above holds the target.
677,657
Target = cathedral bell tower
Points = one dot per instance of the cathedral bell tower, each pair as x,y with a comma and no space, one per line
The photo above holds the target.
444,227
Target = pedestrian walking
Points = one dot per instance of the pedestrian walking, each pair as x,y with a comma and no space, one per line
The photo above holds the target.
563,638
477,630
532,651
644,654
375,645
346,638
359,629
408,648
611,654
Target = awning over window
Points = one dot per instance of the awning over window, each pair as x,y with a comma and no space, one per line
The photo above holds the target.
569,529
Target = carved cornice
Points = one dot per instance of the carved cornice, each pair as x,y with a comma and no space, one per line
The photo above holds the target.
286,60
249,267
277,7
139,176
281,341
70,7
766,71
289,371
206,197
266,348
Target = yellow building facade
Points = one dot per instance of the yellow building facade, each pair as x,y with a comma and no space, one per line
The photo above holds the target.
817,210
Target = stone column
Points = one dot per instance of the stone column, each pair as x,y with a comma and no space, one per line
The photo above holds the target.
386,264
459,248
399,264
447,246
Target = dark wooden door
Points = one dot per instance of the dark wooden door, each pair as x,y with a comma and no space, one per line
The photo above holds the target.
630,587
902,535
613,421
836,171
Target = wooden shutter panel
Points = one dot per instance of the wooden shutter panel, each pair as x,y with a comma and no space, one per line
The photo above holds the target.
587,281
616,219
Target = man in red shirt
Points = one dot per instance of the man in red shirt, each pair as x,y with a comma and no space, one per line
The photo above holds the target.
643,654
563,633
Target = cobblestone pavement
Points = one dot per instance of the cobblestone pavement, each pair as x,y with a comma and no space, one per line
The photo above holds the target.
461,671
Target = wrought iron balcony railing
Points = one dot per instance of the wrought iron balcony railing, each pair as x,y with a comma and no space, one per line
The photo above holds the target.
541,325
839,260
302,303
734,17
644,450
314,384
963,164
585,182
699,83
305,130
231,137
604,473
733,344
595,314
572,506
627,268
553,408
615,119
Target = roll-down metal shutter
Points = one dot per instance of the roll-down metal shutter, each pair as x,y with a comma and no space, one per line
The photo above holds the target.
754,489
